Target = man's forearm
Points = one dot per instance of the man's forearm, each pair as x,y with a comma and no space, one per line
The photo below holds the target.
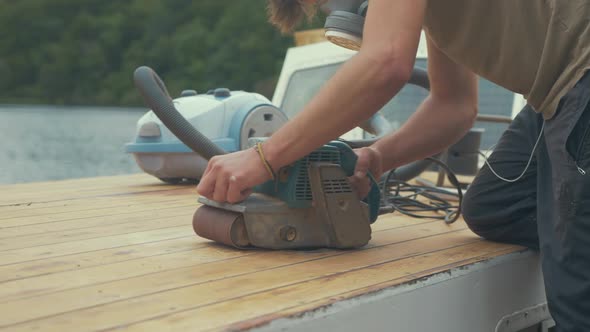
436,125
337,108
361,86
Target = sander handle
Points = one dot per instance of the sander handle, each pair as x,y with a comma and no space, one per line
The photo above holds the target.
348,159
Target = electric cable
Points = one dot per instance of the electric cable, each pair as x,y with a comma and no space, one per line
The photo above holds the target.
525,168
427,201
419,201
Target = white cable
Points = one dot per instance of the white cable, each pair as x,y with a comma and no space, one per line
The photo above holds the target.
527,165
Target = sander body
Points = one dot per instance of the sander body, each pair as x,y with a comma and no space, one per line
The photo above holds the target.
310,205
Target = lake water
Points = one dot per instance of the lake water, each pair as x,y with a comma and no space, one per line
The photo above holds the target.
39,143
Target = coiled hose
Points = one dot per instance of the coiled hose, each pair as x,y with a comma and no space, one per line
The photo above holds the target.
156,95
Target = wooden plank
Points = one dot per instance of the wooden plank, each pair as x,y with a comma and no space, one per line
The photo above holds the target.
120,252
68,248
91,214
243,312
84,260
66,205
10,233
40,189
90,184
97,200
84,194
371,288
75,235
96,203
128,271
206,284
8,198
112,181
88,228
24,288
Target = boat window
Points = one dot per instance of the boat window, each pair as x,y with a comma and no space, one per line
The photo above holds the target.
493,99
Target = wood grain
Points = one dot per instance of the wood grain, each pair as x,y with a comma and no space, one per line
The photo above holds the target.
120,252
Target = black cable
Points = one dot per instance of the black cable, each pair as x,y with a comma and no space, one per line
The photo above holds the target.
421,201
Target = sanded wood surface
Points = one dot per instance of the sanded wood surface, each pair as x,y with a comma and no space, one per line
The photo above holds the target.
119,252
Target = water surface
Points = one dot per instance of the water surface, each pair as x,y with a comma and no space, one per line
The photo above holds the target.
40,143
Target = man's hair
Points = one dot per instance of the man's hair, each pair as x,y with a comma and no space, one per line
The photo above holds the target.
287,14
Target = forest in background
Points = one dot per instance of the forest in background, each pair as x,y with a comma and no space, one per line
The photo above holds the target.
84,52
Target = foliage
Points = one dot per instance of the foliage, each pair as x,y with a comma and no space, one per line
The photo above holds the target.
85,51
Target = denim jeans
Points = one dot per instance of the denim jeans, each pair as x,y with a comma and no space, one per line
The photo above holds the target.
548,209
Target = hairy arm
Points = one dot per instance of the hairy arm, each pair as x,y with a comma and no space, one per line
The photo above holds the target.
362,85
441,120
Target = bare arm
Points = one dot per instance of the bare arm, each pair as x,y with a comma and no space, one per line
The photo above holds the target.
361,87
441,120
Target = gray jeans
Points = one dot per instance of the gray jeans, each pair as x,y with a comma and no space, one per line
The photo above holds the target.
549,208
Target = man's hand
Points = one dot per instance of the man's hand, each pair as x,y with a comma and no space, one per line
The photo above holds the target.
231,177
369,160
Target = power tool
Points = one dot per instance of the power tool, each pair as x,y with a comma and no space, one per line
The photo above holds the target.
227,118
311,203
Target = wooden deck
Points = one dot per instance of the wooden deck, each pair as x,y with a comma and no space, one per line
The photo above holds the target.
120,252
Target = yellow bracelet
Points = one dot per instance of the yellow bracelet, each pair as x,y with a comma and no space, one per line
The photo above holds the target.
258,149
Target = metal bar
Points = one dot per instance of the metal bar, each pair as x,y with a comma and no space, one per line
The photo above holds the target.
493,118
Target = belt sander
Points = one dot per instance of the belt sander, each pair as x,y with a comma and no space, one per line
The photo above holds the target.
310,204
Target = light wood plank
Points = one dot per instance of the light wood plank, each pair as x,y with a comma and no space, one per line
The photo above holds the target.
243,312
85,194
108,256
84,260
372,288
162,266
208,284
193,255
106,221
24,198
76,235
46,189
68,248
46,204
120,251
104,181
89,226
96,203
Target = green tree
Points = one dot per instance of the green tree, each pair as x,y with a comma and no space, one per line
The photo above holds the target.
85,51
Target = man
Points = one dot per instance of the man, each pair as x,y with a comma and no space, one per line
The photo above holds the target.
539,48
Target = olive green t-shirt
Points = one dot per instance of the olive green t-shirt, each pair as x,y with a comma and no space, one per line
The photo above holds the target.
538,48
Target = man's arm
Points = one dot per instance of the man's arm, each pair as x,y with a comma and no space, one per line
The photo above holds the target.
441,120
361,87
